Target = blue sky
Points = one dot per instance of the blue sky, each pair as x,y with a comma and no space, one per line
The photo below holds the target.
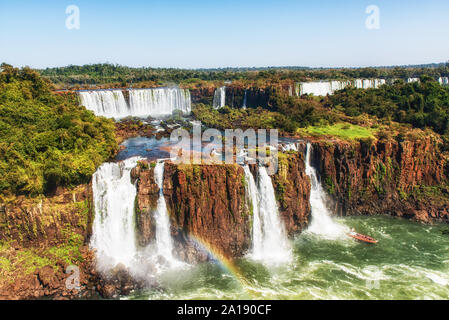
215,33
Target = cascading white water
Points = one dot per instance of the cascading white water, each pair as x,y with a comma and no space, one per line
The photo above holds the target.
219,98
244,99
252,192
142,102
270,243
323,88
108,103
113,229
159,101
164,243
322,222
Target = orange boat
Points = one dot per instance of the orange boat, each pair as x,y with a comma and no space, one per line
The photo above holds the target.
361,237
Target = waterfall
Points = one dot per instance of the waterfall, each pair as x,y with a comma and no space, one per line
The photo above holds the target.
219,98
368,83
245,99
323,88
142,102
270,243
444,81
322,222
108,103
113,229
253,194
164,243
159,101
411,80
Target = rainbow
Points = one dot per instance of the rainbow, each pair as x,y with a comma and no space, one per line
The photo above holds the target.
226,263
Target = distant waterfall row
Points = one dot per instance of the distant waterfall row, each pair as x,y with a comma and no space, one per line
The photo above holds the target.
142,102
323,88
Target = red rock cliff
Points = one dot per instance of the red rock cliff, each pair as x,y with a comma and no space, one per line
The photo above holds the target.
399,177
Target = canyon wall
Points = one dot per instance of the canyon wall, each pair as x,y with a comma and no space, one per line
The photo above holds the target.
400,177
40,238
210,203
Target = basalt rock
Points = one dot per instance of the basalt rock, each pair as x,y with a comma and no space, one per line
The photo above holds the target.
208,205
402,177
292,189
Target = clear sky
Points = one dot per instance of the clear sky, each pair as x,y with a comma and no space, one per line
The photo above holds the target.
215,33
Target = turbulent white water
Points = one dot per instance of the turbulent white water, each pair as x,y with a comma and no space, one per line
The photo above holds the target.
142,102
323,88
270,243
322,222
113,228
219,98
164,243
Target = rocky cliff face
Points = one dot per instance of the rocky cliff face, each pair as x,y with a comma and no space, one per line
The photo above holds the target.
39,239
256,95
406,177
209,202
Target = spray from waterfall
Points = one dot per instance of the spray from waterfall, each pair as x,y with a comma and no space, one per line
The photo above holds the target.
322,222
113,228
270,243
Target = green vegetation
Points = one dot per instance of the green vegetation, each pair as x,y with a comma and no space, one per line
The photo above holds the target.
424,104
341,130
121,75
46,140
288,115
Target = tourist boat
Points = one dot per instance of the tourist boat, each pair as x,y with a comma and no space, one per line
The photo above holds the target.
361,237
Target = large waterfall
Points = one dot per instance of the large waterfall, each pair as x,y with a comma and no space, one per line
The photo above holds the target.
114,231
164,243
113,227
219,98
107,103
270,243
323,88
142,102
322,222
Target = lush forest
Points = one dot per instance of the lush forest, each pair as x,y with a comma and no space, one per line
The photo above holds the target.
422,104
46,140
96,74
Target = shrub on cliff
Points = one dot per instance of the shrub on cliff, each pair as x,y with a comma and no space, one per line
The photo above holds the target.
46,140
